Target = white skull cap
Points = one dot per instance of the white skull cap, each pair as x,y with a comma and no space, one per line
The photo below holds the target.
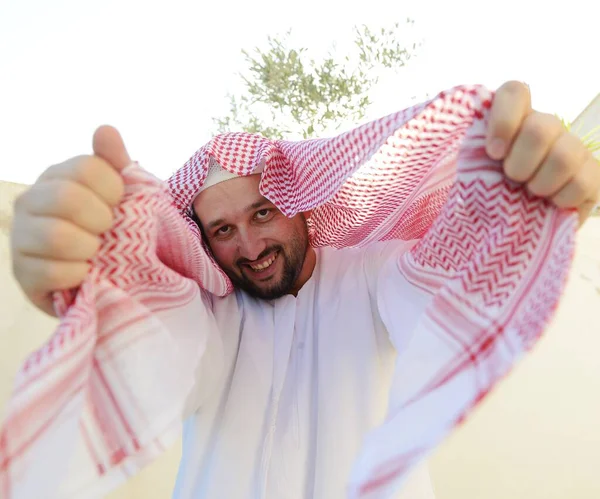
217,174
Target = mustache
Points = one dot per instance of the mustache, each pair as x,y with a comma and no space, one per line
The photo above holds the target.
264,253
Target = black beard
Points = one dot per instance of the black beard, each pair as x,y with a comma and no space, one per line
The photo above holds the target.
293,261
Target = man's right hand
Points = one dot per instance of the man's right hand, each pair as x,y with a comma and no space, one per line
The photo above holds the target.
58,221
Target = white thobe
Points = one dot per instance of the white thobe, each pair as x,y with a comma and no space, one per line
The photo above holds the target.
287,389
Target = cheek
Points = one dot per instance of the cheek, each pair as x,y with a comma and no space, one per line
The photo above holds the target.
224,253
283,229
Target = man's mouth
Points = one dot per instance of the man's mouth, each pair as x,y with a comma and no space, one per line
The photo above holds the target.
264,264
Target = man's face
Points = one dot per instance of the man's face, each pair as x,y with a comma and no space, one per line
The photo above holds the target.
261,250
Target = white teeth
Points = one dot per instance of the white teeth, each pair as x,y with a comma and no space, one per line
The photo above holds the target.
264,265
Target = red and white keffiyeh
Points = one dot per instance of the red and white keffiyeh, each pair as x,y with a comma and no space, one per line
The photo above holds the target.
105,395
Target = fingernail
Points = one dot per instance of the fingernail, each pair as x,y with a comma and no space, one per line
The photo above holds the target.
496,148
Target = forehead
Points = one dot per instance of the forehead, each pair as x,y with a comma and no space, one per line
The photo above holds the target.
228,199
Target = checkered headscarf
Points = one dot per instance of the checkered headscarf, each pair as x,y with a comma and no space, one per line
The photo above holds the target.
88,410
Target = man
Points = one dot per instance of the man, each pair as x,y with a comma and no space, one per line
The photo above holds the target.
305,355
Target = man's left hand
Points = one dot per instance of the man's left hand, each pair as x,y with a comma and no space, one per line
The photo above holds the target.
539,151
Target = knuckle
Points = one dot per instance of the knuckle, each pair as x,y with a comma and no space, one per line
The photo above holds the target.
98,176
560,201
105,221
52,171
580,190
63,239
515,168
538,128
516,174
94,246
81,272
95,218
57,237
110,187
515,88
503,128
573,195
537,188
95,221
118,189
60,170
511,170
562,158
19,202
16,244
29,280
17,269
77,204
49,276
82,169
65,195
568,154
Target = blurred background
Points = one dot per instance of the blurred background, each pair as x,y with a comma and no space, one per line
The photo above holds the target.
170,75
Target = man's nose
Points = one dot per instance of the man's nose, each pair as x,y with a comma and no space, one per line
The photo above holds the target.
250,246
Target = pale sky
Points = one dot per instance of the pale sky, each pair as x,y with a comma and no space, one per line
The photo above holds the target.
159,71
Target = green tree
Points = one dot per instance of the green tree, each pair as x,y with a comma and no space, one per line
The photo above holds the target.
286,94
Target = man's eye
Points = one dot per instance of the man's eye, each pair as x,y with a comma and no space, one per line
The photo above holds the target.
262,214
222,230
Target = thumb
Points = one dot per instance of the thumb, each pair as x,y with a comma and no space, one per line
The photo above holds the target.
109,146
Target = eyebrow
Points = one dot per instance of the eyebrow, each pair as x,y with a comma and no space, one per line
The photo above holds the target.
250,207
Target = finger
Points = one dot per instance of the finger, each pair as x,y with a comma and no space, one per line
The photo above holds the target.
92,172
108,145
566,157
45,276
53,238
69,201
533,143
585,210
583,187
45,303
510,106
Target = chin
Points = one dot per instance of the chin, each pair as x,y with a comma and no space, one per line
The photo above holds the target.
279,284
266,290
268,293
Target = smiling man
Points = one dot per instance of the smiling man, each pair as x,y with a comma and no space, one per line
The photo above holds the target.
260,250
299,367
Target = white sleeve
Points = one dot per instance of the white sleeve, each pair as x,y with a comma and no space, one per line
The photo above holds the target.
394,305
222,335
399,310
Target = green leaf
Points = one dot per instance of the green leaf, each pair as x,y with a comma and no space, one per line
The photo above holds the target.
287,93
